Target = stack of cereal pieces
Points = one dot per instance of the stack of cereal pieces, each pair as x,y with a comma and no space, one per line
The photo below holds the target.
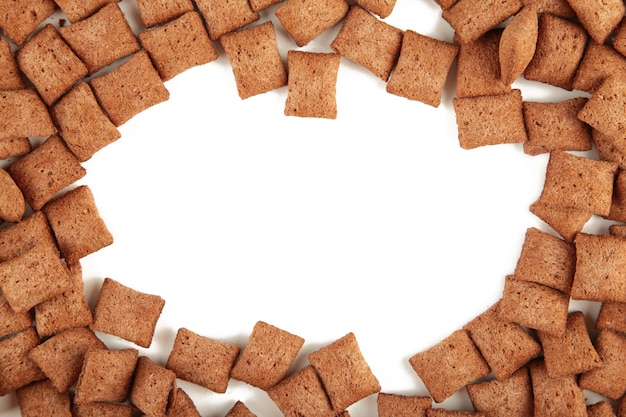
526,355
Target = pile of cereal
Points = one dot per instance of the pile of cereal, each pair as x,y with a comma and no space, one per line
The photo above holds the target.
528,354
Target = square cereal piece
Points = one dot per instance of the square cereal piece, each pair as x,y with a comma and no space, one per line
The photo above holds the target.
61,357
77,10
312,84
45,171
346,376
255,59
566,221
609,379
555,127
560,47
369,42
490,120
267,357
600,409
600,268
129,89
422,68
449,365
77,225
547,260
157,12
598,63
50,64
181,405
618,206
572,353
534,305
600,18
382,8
102,38
22,236
82,123
201,360
10,321
518,43
16,369
556,396
396,405
178,45
609,148
304,20
10,77
42,399
126,313
239,409
23,114
14,147
225,16
102,409
506,346
302,394
509,397
20,18
152,387
604,111
612,316
471,19
106,375
12,203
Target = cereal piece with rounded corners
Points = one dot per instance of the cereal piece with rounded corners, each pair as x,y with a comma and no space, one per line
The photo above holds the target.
152,387
302,394
609,379
225,16
42,399
511,397
304,20
158,12
20,18
600,18
556,396
517,44
471,19
16,369
23,114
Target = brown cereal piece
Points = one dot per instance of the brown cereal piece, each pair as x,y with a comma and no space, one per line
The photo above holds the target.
11,78
609,148
239,409
14,147
612,316
555,127
600,273
534,305
127,313
505,346
106,375
396,405
157,12
471,19
16,369
555,7
566,221
20,18
267,357
382,8
600,18
449,365
305,20
178,45
444,412
181,405
618,206
598,62
152,387
225,16
129,89
556,396
509,397
83,125
201,360
45,171
600,409
609,379
312,84
10,321
61,357
50,64
23,114
490,120
369,42
422,68
517,44
547,260
560,47
346,376
12,203
255,59
619,38
77,10
102,38
302,394
604,110
42,399
103,409
22,236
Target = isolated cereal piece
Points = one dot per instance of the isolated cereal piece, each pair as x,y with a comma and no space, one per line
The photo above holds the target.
12,203
304,20
76,10
42,399
61,356
445,412
23,114
490,120
102,38
609,379
14,147
129,89
10,321
106,375
505,346
267,357
102,409
510,397
471,19
422,68
535,306
239,409
10,77
566,221
369,42
555,7
126,313
600,409
255,59
20,18
311,87
518,42
22,236
181,405
612,316
618,206
302,394
556,396
598,63
152,387
16,369
45,171
560,47
225,16
449,365
600,18
178,45
604,110
397,405
156,12
201,360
